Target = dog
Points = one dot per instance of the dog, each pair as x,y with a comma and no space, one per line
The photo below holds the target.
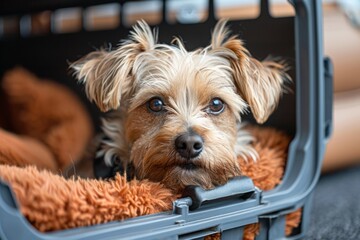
177,117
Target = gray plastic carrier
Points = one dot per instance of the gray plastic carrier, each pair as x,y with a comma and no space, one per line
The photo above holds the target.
306,114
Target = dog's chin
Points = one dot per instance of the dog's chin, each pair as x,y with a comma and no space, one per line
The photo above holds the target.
185,175
188,174
180,173
189,166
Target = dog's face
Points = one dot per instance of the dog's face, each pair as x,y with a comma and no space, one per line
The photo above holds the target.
181,110
182,120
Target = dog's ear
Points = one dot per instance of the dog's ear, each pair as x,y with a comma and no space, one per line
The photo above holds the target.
259,83
107,75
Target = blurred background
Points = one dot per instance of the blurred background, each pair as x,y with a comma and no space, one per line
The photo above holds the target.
341,28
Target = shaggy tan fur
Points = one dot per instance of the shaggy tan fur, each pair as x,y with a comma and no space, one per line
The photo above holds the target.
260,84
140,69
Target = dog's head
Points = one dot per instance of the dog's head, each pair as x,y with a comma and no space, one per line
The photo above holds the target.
180,110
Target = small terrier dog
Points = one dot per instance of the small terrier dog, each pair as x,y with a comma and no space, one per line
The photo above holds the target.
177,118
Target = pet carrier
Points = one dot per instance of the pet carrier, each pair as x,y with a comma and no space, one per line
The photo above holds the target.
305,114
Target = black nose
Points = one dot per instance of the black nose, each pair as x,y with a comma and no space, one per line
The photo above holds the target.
189,145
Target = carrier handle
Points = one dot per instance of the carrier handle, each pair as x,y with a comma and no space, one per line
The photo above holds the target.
237,187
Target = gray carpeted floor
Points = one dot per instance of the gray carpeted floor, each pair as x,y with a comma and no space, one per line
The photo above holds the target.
336,207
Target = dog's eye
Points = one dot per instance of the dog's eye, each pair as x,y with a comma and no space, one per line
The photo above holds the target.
216,106
155,104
